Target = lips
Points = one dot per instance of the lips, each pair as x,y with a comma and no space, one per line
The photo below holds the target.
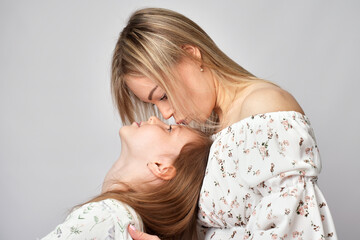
138,124
182,122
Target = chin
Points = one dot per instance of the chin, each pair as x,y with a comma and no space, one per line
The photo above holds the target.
124,131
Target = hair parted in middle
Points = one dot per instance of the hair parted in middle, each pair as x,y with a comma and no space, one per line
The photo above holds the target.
150,45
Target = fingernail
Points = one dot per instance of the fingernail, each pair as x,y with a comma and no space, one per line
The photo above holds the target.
132,227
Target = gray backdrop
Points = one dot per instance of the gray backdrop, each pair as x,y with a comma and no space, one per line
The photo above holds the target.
59,130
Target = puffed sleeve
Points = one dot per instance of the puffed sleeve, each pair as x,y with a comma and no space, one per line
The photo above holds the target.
291,207
279,164
107,219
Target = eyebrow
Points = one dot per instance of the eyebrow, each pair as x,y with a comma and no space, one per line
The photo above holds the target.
152,92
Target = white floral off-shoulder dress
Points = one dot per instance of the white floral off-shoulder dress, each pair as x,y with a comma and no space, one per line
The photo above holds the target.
260,182
107,219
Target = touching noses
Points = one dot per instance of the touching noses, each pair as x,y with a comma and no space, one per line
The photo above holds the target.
166,110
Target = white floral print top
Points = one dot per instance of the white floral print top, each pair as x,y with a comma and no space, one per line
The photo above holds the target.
107,219
260,182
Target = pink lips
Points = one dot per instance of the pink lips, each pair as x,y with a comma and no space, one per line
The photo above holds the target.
181,122
139,124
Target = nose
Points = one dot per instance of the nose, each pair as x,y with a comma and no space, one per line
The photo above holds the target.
155,120
166,111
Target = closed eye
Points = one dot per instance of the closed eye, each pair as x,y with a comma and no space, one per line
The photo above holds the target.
164,97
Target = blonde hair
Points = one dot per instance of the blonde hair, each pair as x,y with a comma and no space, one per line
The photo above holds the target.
150,45
170,210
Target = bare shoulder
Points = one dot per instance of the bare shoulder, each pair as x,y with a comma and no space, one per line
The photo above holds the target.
268,99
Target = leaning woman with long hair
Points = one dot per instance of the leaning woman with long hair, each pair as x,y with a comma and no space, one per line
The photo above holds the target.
261,176
154,185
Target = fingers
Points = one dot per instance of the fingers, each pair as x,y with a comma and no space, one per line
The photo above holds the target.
137,235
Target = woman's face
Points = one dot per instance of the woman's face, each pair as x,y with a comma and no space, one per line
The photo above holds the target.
152,140
198,91
148,152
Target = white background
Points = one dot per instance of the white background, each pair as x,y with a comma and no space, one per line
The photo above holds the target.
59,129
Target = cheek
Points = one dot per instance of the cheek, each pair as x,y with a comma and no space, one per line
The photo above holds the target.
141,143
133,139
146,141
199,98
204,103
161,146
200,105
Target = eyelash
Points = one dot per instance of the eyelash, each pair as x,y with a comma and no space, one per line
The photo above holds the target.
164,97
170,128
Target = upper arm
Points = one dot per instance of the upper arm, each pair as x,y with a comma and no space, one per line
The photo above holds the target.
105,219
266,100
91,220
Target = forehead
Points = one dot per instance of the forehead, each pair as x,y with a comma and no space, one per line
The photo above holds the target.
140,86
139,81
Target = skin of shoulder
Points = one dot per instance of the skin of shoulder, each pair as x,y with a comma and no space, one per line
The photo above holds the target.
268,99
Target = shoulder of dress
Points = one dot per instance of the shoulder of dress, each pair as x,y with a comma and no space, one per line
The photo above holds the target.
103,207
126,212
268,99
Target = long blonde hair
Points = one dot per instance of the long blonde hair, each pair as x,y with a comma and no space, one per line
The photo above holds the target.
151,45
170,210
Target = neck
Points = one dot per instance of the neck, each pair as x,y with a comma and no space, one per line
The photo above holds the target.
122,174
128,172
226,99
115,175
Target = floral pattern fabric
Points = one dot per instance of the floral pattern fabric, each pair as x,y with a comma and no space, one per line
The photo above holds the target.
261,182
107,219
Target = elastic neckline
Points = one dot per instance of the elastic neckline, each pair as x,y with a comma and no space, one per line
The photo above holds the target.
244,120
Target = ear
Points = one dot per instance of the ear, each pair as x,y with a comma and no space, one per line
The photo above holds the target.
193,50
162,171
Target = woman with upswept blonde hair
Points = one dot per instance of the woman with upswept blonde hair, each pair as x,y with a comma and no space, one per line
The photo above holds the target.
260,181
151,45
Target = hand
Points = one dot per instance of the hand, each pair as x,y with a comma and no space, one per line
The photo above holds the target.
137,235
